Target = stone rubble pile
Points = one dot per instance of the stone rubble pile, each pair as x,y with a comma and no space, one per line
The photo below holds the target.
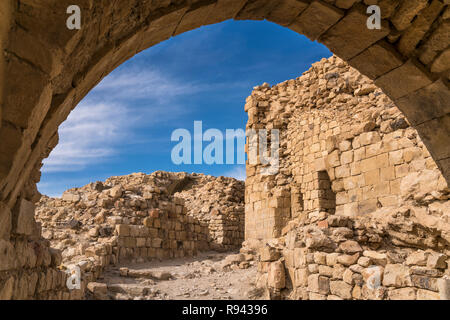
358,197
142,217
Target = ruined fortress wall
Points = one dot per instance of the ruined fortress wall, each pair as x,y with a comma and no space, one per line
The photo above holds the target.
357,194
344,149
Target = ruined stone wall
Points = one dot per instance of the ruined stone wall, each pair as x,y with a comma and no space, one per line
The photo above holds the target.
356,188
408,59
139,217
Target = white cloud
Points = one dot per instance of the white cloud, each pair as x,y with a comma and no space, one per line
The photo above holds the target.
237,172
89,135
148,84
108,117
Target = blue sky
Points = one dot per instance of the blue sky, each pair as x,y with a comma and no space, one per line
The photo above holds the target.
124,125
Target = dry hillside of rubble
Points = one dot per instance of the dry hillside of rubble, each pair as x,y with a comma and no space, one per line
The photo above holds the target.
198,212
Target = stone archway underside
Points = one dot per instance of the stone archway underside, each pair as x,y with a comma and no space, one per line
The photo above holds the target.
46,69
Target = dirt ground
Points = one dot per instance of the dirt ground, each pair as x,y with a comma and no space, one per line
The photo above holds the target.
210,275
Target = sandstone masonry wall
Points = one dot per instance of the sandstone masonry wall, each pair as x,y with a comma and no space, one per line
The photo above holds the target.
356,188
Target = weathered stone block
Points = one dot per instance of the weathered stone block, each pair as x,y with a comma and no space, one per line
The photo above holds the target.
316,19
402,294
396,275
194,18
5,222
276,277
286,11
428,103
341,289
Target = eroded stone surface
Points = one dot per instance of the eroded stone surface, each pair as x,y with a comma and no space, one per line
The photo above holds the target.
359,208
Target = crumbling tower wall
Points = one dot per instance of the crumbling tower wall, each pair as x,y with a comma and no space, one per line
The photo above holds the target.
356,183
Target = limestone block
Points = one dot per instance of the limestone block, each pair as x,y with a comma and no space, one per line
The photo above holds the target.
194,18
256,10
350,247
436,43
224,10
348,260
406,13
402,294
376,257
267,253
286,11
316,19
7,289
444,288
7,255
5,222
341,289
97,288
418,258
301,277
441,63
11,138
318,284
325,271
427,295
434,134
403,80
276,275
24,218
428,103
424,282
396,275
437,261
416,32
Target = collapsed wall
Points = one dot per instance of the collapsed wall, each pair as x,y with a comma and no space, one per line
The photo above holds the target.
358,209
219,204
142,217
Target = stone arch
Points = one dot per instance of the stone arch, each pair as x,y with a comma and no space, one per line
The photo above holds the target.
46,69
